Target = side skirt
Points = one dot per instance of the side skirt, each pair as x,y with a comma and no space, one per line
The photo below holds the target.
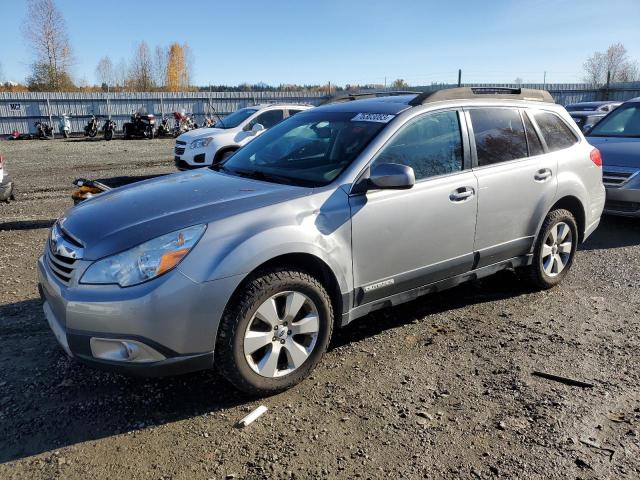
407,296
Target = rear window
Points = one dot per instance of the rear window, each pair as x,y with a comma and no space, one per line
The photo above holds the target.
555,132
499,135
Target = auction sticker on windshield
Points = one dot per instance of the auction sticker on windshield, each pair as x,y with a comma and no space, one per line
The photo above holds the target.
373,117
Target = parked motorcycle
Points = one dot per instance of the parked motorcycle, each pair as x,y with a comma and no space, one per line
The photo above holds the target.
43,130
91,129
163,129
64,125
183,123
109,128
142,124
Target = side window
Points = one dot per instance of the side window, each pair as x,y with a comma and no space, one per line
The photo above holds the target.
533,142
555,132
431,145
499,135
292,112
268,119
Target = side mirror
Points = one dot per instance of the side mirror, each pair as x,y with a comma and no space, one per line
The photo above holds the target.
392,176
257,128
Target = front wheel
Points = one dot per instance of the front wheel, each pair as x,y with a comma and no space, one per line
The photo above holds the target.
274,332
93,132
554,250
108,135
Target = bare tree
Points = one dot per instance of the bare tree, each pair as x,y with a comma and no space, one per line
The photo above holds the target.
160,66
45,30
141,70
614,63
121,73
105,73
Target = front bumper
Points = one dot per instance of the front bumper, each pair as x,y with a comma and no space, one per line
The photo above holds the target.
172,317
623,202
186,158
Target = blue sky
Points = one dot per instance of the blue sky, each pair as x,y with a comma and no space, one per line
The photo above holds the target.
354,41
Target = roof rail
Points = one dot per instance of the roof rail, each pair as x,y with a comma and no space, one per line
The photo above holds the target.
482,92
349,97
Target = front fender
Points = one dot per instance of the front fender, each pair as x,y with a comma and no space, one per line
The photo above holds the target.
318,225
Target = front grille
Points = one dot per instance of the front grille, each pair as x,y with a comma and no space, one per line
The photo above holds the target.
179,150
617,178
62,267
626,207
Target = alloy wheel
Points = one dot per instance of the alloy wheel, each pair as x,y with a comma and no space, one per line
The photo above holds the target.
557,249
282,334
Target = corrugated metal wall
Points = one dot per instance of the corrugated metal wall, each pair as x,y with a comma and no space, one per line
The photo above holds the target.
18,111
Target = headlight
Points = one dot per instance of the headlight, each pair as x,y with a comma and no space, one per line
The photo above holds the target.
146,261
200,142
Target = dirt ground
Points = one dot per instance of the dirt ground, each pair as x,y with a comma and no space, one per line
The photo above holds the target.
438,388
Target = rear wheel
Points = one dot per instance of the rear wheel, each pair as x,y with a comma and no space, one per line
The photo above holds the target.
93,132
554,250
274,332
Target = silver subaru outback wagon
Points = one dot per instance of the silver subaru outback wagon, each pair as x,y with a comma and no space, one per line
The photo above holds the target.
341,210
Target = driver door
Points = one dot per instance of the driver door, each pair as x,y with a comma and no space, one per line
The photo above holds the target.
405,239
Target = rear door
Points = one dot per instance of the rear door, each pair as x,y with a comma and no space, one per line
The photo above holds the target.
404,239
516,181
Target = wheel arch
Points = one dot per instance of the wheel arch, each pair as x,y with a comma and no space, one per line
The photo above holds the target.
573,205
312,265
221,151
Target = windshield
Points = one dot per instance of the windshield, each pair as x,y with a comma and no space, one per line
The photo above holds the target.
309,149
622,122
235,119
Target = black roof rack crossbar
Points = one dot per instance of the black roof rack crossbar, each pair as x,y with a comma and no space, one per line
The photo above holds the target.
466,93
349,97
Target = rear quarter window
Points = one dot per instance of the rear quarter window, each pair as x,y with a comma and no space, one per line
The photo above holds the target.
556,133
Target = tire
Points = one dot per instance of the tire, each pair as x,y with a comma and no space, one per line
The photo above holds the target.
149,133
93,132
552,260
253,373
108,135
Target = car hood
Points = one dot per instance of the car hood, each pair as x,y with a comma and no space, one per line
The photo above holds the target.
200,133
125,217
618,152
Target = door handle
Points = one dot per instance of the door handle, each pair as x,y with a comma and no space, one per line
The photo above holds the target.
542,175
461,194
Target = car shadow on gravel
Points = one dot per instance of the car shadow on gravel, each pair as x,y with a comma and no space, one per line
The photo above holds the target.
48,401
504,284
614,232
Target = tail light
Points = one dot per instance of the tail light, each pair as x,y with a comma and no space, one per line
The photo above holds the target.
596,157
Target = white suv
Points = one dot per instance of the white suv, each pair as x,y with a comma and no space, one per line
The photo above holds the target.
208,146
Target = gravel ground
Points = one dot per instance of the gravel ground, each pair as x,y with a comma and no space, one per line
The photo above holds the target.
437,388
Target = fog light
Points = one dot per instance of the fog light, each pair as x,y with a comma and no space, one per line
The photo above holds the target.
123,350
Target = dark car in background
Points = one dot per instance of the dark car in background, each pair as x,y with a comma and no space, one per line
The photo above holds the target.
588,114
618,138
